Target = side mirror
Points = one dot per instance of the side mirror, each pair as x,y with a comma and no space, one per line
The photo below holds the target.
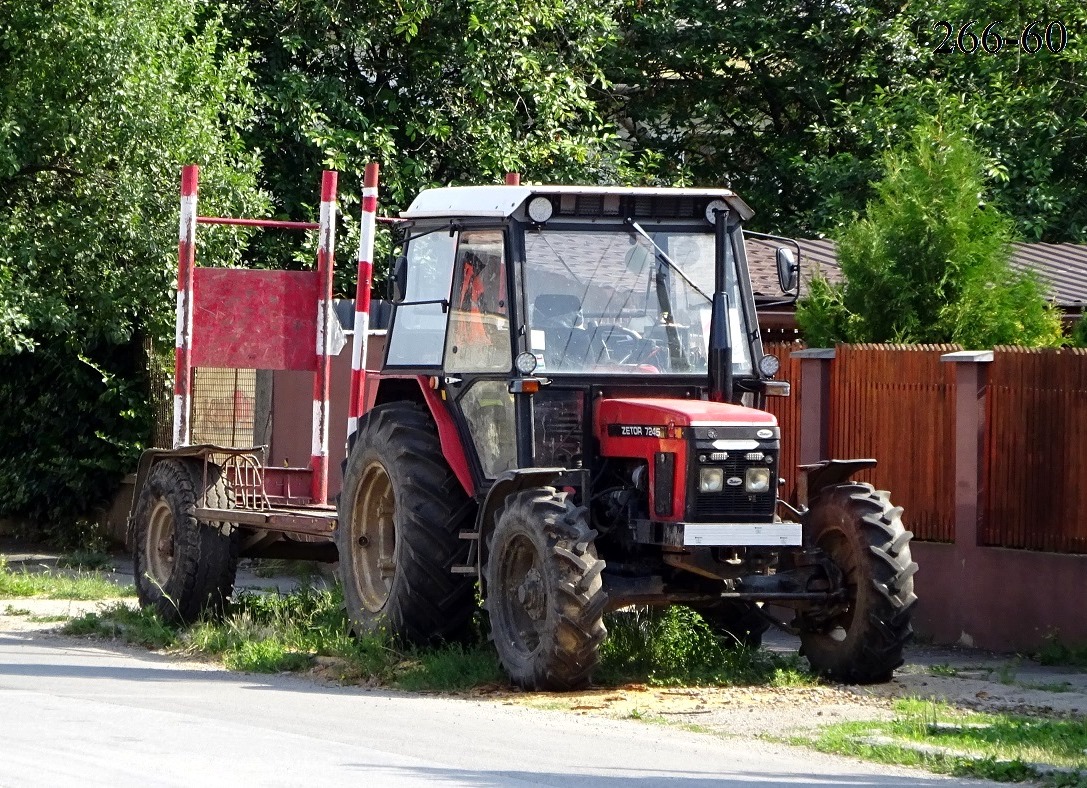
788,270
399,280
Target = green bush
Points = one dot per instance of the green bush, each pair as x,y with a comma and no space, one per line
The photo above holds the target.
929,262
101,103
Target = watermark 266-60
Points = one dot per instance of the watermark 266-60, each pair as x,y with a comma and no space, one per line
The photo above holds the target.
1032,38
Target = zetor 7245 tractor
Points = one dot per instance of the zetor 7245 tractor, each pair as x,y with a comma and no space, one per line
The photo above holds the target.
569,421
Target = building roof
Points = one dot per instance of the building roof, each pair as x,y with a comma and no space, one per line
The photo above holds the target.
1061,268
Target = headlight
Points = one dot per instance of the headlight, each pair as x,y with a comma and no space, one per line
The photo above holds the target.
711,480
769,365
757,480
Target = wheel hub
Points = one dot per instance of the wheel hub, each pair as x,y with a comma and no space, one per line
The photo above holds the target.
373,522
531,595
160,542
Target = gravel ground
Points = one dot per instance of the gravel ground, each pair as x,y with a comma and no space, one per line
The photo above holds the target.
983,681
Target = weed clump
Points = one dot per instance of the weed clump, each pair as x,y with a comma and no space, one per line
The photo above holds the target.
675,646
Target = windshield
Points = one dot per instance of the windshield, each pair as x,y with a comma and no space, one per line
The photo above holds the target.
602,300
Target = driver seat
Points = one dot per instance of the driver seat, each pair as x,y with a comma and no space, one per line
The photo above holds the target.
559,315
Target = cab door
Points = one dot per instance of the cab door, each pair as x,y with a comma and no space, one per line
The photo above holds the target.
478,354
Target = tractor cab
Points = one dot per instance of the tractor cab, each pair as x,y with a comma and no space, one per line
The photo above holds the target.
524,304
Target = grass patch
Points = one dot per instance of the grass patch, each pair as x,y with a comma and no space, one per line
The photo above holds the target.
943,739
81,586
48,619
118,621
272,633
91,560
675,647
1054,652
944,670
11,610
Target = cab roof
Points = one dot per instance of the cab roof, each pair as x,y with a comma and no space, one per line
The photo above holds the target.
503,201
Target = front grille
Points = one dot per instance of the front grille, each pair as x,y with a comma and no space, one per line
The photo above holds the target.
733,504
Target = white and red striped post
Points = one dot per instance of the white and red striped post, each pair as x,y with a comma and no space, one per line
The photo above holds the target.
186,261
367,226
321,380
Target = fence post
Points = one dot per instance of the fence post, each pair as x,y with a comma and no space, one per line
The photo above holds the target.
971,387
815,366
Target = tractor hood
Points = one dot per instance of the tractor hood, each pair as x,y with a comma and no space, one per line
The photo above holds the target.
659,418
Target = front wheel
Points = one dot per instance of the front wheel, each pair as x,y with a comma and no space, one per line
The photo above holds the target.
545,595
861,638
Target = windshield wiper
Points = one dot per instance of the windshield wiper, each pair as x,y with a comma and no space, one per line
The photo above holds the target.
663,256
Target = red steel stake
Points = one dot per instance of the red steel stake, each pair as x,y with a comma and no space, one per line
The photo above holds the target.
359,343
186,260
321,383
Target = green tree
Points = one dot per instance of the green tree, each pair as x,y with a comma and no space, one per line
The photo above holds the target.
438,93
929,262
1079,332
794,102
100,103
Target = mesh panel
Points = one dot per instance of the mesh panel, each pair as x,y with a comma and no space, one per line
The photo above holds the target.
161,395
223,401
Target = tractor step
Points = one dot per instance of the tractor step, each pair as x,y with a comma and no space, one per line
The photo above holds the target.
469,535
463,569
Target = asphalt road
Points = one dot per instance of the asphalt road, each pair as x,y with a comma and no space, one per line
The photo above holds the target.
78,713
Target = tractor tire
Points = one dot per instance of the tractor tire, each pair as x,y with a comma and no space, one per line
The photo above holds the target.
862,534
400,516
184,568
738,623
545,595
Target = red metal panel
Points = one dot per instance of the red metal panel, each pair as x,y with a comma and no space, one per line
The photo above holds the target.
452,447
248,319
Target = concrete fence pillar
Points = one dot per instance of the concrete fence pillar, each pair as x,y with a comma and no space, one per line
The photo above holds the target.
964,599
814,402
971,387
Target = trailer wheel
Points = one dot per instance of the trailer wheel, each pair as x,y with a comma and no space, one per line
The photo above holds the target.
400,515
861,640
545,595
738,622
184,568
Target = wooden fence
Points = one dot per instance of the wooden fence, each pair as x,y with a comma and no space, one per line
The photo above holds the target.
897,404
1036,451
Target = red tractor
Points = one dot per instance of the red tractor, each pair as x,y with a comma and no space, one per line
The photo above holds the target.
568,421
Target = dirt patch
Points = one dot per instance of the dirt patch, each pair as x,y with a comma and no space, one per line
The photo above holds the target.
740,711
47,615
964,678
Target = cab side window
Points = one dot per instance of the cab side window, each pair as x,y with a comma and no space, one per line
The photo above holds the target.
479,325
418,330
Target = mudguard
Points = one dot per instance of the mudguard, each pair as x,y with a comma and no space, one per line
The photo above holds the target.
151,456
504,486
814,477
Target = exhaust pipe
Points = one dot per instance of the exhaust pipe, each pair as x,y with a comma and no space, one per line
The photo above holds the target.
720,358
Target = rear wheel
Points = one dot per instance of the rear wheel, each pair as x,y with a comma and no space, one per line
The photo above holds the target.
400,514
184,567
861,639
545,595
